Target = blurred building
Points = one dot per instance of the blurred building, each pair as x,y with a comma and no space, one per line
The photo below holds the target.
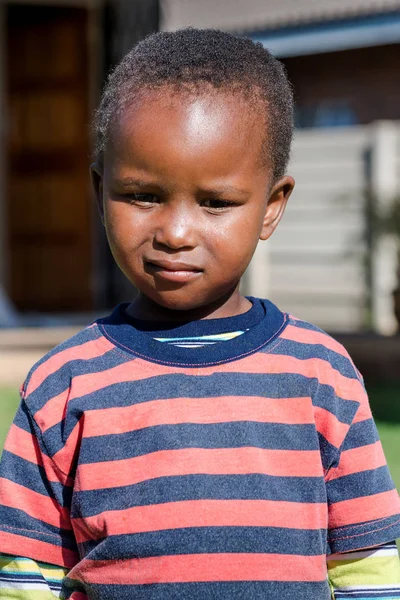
342,57
54,55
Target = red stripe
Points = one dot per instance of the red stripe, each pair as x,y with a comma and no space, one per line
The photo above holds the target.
134,370
34,504
78,596
328,425
202,513
307,336
289,411
65,457
25,445
367,508
359,459
191,461
203,567
92,349
364,411
16,545
53,411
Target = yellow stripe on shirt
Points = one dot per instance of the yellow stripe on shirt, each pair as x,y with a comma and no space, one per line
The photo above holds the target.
27,579
372,573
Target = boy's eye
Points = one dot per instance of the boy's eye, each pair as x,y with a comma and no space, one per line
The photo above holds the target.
216,204
143,199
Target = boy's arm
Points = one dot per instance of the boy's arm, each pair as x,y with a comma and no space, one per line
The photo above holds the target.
363,503
368,574
35,497
26,579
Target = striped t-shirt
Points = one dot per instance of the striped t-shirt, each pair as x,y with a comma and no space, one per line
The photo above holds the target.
156,471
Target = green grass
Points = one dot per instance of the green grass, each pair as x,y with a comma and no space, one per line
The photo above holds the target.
385,401
9,399
390,437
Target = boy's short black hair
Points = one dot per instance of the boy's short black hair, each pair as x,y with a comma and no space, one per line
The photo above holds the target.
199,60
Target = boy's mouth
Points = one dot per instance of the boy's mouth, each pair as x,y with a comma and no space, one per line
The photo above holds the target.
172,270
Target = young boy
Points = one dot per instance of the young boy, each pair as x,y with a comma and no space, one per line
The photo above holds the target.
195,443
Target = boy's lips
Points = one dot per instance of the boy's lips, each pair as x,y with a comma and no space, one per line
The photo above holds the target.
171,270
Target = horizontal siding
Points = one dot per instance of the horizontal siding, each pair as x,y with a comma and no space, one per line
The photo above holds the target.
343,237
328,315
314,264
314,261
313,279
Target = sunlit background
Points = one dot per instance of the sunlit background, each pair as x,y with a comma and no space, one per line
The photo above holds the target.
334,259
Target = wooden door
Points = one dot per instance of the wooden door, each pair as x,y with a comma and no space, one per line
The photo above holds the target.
49,207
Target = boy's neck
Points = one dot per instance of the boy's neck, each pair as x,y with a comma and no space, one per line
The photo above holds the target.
231,305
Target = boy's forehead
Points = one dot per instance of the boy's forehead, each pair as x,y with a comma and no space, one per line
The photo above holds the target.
193,124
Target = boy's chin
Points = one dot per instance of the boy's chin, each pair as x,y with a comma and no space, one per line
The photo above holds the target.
182,301
178,302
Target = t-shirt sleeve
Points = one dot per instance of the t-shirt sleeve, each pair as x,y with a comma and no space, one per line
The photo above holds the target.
27,579
366,574
35,497
363,503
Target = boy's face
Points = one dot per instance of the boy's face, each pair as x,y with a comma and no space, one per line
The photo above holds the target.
185,199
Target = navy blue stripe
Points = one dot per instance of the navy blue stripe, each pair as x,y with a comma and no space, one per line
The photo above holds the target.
221,590
23,420
198,487
371,482
34,528
26,578
325,396
20,419
21,578
305,351
235,434
204,540
361,434
176,385
34,477
363,535
329,454
60,380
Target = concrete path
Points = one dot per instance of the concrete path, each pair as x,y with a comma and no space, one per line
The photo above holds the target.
21,348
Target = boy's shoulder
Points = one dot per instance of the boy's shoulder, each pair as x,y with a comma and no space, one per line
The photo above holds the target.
72,356
320,354
309,335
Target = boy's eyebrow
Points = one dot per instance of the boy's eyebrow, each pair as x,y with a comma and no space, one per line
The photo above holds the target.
129,181
213,191
226,189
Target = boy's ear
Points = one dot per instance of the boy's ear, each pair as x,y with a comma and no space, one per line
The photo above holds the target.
96,176
276,205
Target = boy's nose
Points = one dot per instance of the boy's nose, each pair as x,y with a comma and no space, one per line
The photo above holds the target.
176,231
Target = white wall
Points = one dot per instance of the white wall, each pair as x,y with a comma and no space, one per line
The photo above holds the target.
314,264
